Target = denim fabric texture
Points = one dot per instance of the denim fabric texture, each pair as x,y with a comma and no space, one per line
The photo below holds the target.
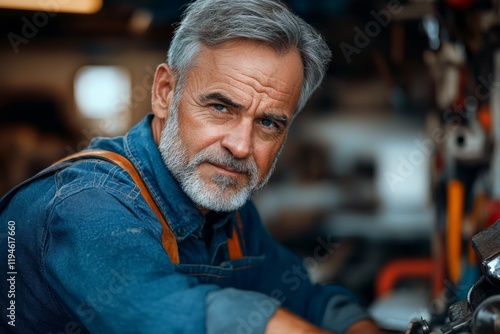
88,257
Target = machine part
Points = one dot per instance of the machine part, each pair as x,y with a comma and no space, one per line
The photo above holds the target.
467,143
480,291
418,327
480,312
487,246
459,311
459,326
445,64
462,313
486,318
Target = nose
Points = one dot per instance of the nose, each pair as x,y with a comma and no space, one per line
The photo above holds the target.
239,139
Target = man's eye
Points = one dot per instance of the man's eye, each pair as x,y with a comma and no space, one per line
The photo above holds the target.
268,123
219,107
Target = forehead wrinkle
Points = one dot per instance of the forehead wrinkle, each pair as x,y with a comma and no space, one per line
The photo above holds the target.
257,88
250,81
265,81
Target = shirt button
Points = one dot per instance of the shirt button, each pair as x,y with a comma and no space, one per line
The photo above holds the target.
181,230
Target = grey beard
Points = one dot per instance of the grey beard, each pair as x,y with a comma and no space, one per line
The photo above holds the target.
223,194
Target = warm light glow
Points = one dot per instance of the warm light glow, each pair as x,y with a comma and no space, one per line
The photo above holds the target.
67,6
102,91
103,96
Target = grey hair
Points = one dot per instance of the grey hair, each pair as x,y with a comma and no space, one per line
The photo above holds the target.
213,22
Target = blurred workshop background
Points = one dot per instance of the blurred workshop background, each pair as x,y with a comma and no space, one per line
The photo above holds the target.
387,173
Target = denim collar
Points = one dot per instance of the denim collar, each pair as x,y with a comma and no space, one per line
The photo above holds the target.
181,213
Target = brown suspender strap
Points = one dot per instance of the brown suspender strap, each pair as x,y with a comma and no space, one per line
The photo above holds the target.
233,244
167,238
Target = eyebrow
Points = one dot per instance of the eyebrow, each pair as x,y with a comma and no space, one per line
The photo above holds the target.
281,119
221,98
227,101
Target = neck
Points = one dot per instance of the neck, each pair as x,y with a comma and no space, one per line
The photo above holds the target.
157,126
203,210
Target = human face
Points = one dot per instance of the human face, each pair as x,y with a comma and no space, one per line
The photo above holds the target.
227,125
185,170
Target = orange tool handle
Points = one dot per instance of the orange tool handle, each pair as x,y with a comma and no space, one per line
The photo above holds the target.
454,229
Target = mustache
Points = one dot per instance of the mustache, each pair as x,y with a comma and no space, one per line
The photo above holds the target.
225,159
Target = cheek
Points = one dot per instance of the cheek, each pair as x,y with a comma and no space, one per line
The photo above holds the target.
264,158
196,136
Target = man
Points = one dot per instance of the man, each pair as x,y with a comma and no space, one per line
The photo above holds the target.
88,252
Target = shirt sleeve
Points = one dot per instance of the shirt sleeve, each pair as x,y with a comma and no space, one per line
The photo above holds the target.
341,313
111,271
329,306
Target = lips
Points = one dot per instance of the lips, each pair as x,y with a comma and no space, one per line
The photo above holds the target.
226,168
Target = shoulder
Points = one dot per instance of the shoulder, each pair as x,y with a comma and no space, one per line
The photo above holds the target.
95,173
97,190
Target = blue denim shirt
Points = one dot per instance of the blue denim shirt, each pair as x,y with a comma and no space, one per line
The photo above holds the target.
81,252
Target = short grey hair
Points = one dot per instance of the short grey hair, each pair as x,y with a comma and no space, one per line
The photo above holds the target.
213,22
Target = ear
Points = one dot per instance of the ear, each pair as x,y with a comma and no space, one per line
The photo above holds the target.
163,91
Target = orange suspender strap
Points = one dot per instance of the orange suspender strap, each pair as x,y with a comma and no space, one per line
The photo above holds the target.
233,244
167,237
